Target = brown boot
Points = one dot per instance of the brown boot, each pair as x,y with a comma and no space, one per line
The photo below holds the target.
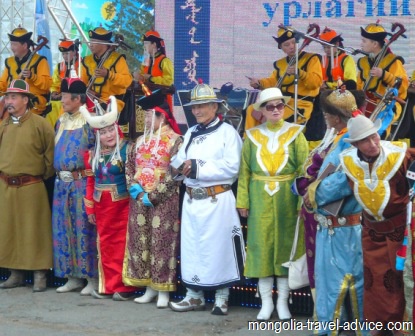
16,279
39,281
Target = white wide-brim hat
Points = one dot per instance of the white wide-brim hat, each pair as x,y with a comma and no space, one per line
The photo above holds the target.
268,95
361,127
104,120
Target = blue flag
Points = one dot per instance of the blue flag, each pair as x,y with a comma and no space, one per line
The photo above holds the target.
42,28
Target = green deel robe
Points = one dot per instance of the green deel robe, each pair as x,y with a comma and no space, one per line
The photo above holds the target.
271,150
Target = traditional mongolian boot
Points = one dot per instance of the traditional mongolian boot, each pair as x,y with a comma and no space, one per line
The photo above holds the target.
265,290
148,296
221,302
163,299
71,285
282,301
39,281
16,279
194,300
88,289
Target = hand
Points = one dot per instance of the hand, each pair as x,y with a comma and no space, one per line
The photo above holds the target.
306,201
254,82
55,95
376,72
101,72
92,219
291,70
243,212
187,167
26,73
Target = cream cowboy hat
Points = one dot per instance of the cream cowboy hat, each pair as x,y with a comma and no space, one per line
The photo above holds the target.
268,95
361,127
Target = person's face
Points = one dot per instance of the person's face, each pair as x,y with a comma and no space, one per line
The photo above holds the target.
150,47
108,136
157,119
204,113
16,104
69,104
68,56
368,45
273,110
19,49
331,120
369,146
288,47
97,48
327,49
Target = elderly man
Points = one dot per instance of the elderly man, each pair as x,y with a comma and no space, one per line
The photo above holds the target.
34,69
75,250
105,72
377,174
212,246
26,159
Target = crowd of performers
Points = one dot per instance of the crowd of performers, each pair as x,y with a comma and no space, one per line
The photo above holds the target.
113,227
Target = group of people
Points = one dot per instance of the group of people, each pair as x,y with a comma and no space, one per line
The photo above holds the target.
113,227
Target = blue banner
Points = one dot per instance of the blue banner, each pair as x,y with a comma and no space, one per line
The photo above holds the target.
191,43
42,29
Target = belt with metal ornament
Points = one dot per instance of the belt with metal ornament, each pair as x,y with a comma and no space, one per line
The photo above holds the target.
70,176
388,225
200,193
331,222
20,181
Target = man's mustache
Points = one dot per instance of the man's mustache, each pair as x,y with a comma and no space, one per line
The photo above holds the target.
10,107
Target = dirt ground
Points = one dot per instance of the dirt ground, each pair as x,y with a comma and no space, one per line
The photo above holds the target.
49,313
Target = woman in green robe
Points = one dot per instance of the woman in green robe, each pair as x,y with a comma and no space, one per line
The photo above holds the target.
273,155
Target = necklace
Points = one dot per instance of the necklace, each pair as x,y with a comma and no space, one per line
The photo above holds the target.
105,159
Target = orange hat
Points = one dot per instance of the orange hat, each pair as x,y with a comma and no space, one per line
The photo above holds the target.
67,45
152,36
330,36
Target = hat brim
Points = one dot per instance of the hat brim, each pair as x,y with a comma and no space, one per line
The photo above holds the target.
257,105
28,94
376,126
204,101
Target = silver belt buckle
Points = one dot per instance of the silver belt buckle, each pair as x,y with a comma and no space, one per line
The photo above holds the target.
199,193
66,176
323,221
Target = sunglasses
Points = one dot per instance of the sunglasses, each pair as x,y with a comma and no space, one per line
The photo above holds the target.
271,108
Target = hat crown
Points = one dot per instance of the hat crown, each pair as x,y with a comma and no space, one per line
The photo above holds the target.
19,31
344,100
18,85
20,34
328,35
375,28
100,33
202,92
73,85
360,127
270,94
152,34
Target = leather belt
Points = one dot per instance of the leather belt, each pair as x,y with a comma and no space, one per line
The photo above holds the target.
200,193
70,176
388,225
330,222
20,181
349,220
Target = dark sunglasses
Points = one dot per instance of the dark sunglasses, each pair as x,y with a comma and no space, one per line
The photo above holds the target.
271,108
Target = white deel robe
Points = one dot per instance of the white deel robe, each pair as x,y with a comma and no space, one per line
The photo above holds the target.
212,245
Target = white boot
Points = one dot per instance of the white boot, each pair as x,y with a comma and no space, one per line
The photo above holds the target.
265,290
282,301
220,307
90,287
71,285
148,296
163,299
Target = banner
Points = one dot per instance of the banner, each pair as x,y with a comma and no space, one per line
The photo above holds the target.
42,29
